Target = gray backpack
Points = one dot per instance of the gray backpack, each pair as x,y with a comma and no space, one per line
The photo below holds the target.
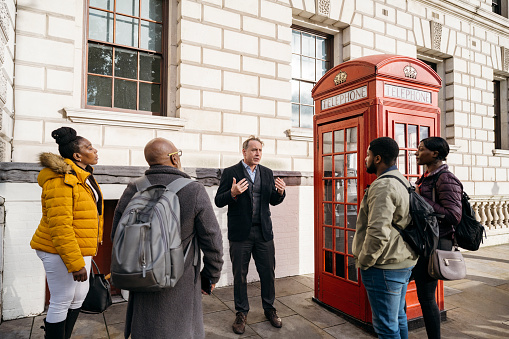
147,253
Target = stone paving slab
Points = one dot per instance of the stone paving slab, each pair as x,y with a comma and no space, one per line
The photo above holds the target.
288,286
294,326
16,329
226,293
256,313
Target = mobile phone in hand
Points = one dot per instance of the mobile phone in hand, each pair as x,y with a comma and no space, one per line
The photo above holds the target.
206,284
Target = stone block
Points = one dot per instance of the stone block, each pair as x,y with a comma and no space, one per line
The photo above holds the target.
63,28
190,10
284,72
274,127
127,137
116,156
404,19
480,84
275,50
92,132
240,83
137,158
221,101
30,76
480,58
221,17
259,27
481,160
284,109
239,42
201,160
494,161
59,80
475,121
477,147
383,43
28,130
475,95
467,160
259,66
275,89
501,174
258,106
387,13
190,53
41,104
221,59
365,6
188,97
244,6
284,33
219,143
49,52
372,24
269,146
199,33
278,163
199,76
489,174
460,92
32,22
182,140
403,48
292,147
63,7
30,152
347,12
201,120
395,31
488,98
358,35
240,124
276,12
488,123
303,164
487,72
461,172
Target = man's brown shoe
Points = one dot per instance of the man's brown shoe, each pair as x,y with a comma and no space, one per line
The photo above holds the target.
239,325
273,318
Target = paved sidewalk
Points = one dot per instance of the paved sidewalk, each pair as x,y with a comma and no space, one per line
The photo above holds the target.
477,307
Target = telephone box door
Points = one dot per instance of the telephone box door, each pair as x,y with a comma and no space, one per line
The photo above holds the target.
338,188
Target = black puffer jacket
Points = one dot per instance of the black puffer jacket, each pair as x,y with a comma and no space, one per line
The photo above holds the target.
447,197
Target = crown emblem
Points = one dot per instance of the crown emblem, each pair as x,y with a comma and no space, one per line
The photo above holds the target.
340,77
410,71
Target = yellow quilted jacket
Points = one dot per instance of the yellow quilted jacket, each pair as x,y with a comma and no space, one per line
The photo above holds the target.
71,224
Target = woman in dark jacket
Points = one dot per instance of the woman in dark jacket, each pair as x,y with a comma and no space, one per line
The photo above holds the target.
445,197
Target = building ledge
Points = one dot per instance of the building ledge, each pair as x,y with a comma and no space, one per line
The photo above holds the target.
103,117
303,134
501,153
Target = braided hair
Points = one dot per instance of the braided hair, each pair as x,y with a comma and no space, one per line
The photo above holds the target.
68,141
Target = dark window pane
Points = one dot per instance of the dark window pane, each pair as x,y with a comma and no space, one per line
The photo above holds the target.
100,25
306,118
127,31
340,216
126,63
327,214
295,42
99,91
152,9
351,219
327,238
327,142
308,68
295,66
327,190
150,67
340,240
125,94
305,93
340,265
339,141
129,7
352,270
328,262
150,97
308,45
151,36
99,59
104,4
295,115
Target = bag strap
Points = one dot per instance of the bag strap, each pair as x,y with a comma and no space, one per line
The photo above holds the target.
435,180
177,184
92,274
142,183
397,178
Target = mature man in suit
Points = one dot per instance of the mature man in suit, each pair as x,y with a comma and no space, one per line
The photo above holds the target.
248,188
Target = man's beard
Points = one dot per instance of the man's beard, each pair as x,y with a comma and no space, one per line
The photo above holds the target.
371,169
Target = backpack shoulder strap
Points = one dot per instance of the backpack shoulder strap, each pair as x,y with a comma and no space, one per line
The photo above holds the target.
397,178
177,184
142,183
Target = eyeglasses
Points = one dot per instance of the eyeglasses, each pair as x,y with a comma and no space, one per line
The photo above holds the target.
179,153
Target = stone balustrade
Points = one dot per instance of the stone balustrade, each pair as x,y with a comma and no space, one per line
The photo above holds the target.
491,211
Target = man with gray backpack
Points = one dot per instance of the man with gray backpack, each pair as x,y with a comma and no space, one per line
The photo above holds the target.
161,223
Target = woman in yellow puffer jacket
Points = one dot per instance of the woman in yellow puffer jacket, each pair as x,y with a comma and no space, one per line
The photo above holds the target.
70,229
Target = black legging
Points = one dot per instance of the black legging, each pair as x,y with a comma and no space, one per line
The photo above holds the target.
426,287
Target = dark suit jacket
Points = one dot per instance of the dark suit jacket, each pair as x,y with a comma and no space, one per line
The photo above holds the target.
240,210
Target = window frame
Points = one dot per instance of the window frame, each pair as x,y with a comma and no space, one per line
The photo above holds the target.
164,60
330,53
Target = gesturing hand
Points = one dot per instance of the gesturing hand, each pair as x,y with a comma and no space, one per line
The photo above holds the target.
80,275
240,187
280,185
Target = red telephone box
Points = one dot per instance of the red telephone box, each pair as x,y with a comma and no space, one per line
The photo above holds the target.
356,102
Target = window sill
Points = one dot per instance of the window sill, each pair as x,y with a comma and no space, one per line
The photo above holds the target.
501,153
303,134
93,116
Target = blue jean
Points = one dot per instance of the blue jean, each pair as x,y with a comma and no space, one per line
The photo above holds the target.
386,293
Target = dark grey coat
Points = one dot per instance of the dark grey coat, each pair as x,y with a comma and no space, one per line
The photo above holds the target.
177,312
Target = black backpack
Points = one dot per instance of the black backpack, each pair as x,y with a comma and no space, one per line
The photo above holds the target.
469,232
422,232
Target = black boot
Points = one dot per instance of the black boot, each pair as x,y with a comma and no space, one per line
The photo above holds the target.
72,316
54,330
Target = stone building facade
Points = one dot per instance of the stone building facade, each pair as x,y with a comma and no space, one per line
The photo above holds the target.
208,73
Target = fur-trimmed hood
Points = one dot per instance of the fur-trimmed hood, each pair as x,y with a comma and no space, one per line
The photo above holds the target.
57,166
54,162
